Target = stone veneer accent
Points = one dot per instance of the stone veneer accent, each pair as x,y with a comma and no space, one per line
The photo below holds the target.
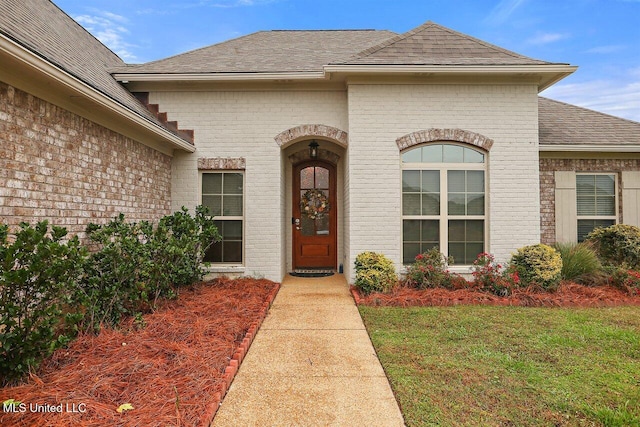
431,135
548,185
309,131
59,166
221,163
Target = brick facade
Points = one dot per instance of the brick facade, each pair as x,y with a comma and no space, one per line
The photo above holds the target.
59,166
547,186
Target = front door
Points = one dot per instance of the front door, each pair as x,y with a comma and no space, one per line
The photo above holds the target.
314,215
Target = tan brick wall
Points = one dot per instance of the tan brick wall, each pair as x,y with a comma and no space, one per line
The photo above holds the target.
548,184
59,166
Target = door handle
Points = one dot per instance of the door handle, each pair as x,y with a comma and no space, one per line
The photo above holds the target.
296,221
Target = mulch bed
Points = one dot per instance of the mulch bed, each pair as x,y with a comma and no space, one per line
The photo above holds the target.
174,371
569,294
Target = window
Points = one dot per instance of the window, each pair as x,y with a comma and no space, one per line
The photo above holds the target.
443,202
596,202
222,193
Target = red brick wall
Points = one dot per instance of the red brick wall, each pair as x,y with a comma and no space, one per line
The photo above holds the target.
59,166
548,185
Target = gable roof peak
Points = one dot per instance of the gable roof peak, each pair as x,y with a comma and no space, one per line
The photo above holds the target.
434,44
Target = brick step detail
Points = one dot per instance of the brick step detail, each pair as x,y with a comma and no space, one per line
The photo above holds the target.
171,126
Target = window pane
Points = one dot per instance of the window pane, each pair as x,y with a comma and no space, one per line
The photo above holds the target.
605,185
466,240
586,205
232,205
232,230
453,154
456,181
475,181
322,178
411,204
212,183
232,252
475,204
456,204
456,231
431,181
585,184
214,203
411,230
456,250
432,153
232,183
430,204
473,156
411,181
214,253
606,205
475,230
412,156
307,178
430,231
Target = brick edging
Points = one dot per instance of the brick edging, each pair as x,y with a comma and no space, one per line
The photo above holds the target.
355,294
236,360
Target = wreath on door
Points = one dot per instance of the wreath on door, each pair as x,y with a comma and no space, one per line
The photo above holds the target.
314,204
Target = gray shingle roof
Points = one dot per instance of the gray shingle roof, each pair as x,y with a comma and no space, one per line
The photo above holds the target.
268,52
433,44
41,27
562,123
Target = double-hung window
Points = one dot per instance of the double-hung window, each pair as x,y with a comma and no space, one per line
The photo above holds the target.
222,193
596,199
443,202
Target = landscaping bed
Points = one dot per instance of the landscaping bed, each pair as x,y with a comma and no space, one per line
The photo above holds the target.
568,294
172,368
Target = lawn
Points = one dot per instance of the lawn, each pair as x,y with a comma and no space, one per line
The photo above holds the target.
511,366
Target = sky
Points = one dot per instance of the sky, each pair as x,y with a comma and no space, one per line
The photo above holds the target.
601,37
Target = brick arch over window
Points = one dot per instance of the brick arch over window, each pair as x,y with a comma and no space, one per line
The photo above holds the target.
431,135
311,131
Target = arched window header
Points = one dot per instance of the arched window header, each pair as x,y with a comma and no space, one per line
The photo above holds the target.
442,153
436,134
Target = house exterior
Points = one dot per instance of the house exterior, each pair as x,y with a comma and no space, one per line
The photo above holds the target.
311,147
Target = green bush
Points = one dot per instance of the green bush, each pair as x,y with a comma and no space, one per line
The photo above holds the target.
617,245
491,276
430,271
538,264
578,260
136,263
374,273
38,285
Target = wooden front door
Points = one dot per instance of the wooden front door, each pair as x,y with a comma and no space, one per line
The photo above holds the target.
314,215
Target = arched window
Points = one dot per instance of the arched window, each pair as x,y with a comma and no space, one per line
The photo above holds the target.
443,201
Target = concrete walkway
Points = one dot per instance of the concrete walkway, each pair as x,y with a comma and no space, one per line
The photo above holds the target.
311,364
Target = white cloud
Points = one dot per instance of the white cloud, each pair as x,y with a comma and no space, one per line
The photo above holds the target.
607,49
503,11
545,38
617,98
111,30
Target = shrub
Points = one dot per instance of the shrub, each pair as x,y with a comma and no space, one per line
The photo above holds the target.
488,275
38,284
374,273
538,264
578,260
430,271
627,280
617,245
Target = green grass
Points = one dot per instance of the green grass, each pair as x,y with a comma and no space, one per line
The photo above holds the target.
508,366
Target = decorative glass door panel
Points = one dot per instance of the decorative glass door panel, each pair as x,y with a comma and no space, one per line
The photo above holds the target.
314,216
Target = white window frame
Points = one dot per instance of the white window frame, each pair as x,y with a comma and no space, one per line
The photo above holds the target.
444,216
217,266
598,217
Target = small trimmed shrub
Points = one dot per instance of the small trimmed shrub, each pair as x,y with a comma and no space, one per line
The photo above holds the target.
430,271
578,260
538,265
617,245
38,285
488,275
374,273
627,280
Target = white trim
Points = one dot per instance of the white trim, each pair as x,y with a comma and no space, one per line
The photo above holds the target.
451,69
206,77
600,148
54,73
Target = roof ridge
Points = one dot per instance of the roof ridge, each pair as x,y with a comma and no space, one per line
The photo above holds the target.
589,110
319,30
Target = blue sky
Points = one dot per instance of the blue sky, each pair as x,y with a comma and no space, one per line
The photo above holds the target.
602,37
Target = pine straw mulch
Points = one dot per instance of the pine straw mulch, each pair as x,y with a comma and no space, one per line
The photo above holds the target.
568,294
169,371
